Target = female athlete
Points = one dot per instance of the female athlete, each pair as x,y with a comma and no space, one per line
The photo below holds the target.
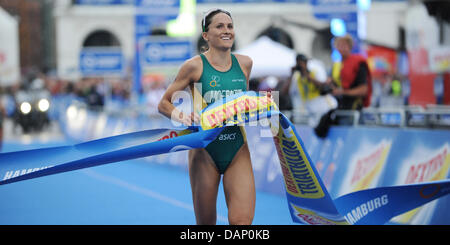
220,73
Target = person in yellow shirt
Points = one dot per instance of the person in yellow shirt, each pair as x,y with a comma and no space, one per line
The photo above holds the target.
308,86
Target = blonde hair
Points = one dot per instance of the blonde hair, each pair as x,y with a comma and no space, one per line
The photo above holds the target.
346,38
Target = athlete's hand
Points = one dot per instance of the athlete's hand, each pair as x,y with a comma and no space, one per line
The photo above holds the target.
189,119
196,118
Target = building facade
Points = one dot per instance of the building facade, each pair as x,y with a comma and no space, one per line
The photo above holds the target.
291,21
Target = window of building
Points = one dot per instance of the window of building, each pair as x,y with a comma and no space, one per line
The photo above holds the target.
101,38
278,35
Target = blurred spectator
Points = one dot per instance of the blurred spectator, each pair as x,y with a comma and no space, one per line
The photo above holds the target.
396,87
94,98
351,82
352,77
387,91
154,95
153,86
88,90
95,94
118,91
309,88
284,99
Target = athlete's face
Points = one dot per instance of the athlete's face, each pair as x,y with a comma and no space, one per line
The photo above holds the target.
220,32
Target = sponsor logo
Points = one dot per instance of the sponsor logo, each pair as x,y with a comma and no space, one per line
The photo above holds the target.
214,81
364,209
227,136
171,134
174,133
435,167
236,111
312,217
180,148
366,169
429,191
299,177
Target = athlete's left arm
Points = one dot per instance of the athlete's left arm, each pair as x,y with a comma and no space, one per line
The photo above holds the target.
246,64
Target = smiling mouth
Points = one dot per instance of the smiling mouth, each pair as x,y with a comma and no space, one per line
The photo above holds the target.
225,38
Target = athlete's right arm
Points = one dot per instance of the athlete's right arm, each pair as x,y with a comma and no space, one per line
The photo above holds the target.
189,73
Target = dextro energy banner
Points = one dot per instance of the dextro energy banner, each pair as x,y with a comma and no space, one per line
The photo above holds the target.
418,163
238,109
379,205
308,199
17,166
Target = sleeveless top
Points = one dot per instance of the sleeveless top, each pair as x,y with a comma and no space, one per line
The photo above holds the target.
215,86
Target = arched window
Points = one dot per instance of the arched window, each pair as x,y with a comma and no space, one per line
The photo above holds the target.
158,32
101,38
278,35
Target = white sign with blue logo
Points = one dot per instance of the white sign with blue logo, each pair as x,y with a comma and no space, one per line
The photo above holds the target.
101,61
148,15
103,2
329,9
157,7
345,16
165,51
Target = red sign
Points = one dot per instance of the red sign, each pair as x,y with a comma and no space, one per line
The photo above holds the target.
381,60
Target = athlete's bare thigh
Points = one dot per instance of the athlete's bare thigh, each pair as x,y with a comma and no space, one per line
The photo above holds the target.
205,180
239,187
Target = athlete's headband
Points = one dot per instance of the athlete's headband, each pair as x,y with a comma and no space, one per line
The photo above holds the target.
210,12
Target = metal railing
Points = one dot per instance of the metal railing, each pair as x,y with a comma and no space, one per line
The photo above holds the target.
431,116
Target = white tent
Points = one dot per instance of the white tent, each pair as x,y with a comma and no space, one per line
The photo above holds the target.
271,58
9,49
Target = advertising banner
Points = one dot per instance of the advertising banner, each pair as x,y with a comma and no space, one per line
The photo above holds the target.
418,162
361,166
149,14
101,61
327,161
439,59
381,60
9,49
156,51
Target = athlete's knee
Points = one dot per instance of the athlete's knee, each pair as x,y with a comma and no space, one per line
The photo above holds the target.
206,220
205,212
240,219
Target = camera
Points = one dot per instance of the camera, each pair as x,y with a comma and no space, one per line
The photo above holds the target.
326,89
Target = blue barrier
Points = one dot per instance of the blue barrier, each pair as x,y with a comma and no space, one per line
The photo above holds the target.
353,159
350,159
